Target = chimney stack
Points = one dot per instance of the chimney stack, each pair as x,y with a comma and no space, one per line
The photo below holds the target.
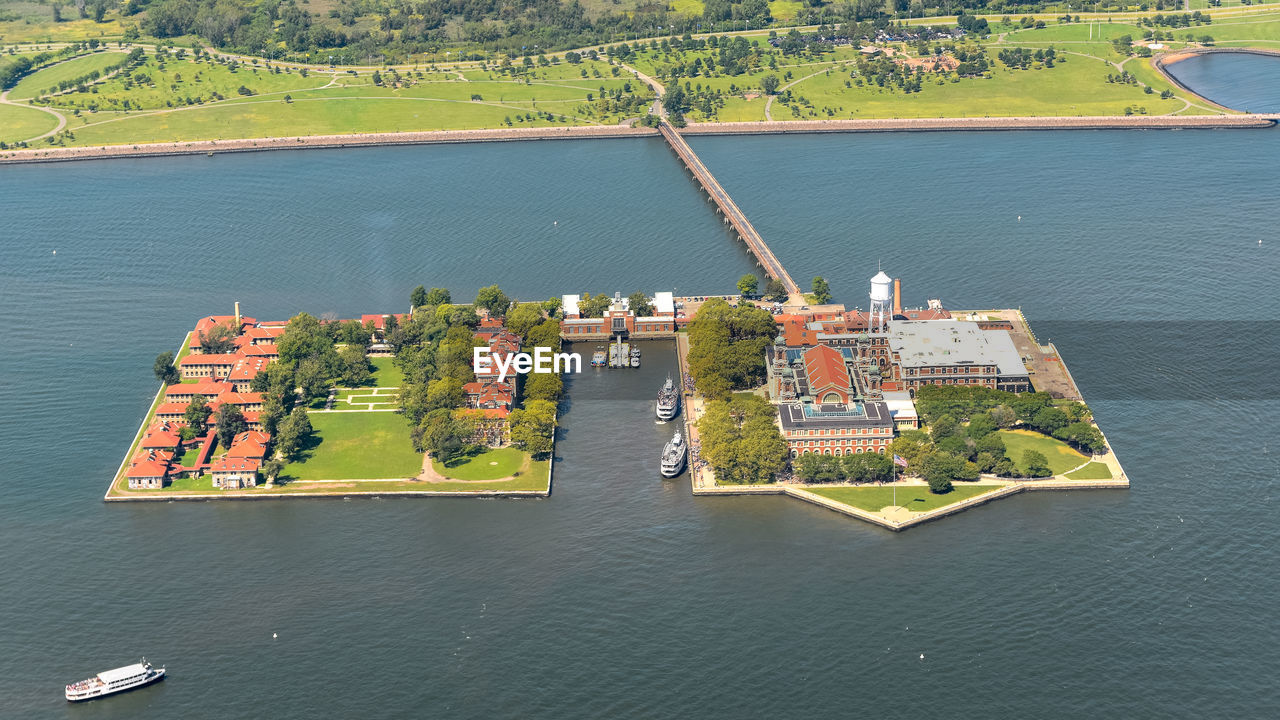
897,297
237,316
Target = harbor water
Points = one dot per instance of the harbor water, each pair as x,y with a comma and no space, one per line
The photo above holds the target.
1148,258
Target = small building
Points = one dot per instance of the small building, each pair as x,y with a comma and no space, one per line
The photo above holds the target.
148,469
205,365
235,473
163,436
902,409
249,444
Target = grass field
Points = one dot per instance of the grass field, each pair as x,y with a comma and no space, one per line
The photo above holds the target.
1061,456
41,81
488,465
1092,471
385,373
22,123
357,446
916,498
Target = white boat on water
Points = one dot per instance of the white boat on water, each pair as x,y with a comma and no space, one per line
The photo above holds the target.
668,405
109,682
673,456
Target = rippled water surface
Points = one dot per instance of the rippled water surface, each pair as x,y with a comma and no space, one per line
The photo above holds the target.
1244,81
621,595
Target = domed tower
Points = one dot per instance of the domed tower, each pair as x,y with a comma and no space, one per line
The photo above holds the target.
881,299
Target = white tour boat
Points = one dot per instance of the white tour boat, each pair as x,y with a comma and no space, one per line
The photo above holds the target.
109,682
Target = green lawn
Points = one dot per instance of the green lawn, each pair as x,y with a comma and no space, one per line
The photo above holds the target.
357,446
189,456
488,465
42,81
24,123
1092,471
385,373
201,483
917,498
1060,455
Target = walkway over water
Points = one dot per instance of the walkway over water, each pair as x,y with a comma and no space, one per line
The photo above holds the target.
746,231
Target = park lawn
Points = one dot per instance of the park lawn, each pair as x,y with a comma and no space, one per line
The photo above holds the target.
385,373
42,81
487,465
1092,471
1082,32
917,498
1263,31
24,123
692,8
266,118
174,80
189,456
1061,456
356,445
40,27
1075,87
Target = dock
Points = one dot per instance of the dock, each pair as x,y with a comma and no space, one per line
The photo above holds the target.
732,214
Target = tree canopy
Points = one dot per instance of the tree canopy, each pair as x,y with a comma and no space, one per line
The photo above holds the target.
726,347
741,441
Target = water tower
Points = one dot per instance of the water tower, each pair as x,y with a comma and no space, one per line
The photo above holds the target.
881,299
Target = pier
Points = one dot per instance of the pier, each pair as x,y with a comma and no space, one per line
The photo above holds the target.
733,215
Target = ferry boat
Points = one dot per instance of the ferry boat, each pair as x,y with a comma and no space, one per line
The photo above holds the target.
109,682
673,456
635,356
668,405
597,360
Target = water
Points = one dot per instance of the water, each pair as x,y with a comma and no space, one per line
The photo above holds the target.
622,595
1237,80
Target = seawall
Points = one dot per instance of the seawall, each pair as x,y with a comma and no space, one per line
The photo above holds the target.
304,142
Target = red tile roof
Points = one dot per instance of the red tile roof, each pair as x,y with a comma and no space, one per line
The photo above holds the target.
149,463
209,359
825,369
235,464
249,444
162,435
205,386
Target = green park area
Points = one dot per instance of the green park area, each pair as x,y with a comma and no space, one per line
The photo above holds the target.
917,498
355,445
1097,65
1092,471
1061,457
487,465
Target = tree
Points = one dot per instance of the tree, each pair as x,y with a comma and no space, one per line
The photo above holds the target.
639,304
1084,436
912,446
312,378
868,467
981,425
748,285
221,338
1035,464
442,434
943,427
355,365
939,469
533,427
197,414
821,291
593,306
815,468
437,296
164,369
418,298
304,337
271,469
1049,420
775,290
543,386
1004,416
492,298
741,441
769,83
292,434
230,422
523,317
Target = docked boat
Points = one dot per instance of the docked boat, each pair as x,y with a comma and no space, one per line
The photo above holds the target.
668,405
110,682
635,356
674,455
597,360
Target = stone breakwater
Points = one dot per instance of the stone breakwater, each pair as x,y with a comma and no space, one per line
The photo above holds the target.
206,147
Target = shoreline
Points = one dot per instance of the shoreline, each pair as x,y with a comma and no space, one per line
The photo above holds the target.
304,142
1162,62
